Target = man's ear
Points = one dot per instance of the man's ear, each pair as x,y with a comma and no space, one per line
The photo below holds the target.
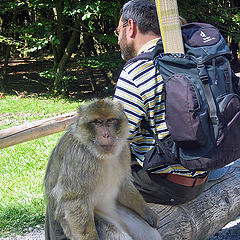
132,28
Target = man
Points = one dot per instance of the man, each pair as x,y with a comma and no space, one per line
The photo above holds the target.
140,90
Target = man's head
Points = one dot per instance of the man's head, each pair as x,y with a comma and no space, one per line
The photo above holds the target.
138,24
143,13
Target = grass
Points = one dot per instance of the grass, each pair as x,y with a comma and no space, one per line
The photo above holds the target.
22,166
15,111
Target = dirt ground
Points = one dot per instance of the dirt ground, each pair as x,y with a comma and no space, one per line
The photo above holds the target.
23,77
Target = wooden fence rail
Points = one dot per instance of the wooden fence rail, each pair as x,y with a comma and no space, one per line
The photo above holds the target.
37,129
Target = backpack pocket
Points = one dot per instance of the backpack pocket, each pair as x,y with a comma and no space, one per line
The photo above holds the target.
183,105
227,145
158,158
229,132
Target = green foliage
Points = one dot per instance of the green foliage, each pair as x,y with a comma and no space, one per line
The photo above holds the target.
108,39
34,44
30,26
18,45
92,10
19,29
49,74
46,25
225,15
94,14
60,81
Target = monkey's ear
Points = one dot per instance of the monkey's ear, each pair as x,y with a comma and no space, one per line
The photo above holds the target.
80,109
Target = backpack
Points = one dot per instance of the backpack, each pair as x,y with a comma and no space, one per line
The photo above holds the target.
202,102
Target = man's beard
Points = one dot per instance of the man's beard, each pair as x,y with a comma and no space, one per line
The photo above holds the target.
127,50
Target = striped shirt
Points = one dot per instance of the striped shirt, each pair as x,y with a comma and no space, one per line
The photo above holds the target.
140,90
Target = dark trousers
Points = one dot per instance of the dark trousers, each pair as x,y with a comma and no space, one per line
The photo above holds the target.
157,189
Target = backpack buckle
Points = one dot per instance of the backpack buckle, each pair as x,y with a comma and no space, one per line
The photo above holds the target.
202,72
204,79
214,120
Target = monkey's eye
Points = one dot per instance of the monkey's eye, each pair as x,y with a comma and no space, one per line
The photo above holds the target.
97,122
111,121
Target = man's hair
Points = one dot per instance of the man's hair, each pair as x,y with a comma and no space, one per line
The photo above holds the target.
143,13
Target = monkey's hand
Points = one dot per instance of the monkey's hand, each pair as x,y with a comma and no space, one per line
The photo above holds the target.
151,217
132,199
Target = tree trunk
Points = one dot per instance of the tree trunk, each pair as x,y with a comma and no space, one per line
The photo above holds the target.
62,32
62,65
3,80
68,42
234,48
88,45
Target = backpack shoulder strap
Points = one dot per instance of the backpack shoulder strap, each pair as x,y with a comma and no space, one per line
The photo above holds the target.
203,75
161,147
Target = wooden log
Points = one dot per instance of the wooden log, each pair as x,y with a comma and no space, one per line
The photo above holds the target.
36,129
207,214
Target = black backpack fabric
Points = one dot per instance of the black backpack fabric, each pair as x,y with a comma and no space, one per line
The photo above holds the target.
202,102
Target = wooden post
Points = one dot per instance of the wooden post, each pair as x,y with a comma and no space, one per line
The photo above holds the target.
37,129
170,26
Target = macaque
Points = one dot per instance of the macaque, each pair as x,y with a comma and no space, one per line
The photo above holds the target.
88,182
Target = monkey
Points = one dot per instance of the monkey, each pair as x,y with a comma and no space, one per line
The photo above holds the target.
88,183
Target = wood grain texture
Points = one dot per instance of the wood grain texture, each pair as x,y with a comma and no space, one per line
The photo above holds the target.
36,129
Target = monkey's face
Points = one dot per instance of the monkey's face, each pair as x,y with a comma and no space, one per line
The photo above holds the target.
102,125
104,133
